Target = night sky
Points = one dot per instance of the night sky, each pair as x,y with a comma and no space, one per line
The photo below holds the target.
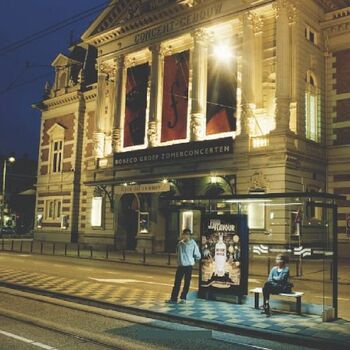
24,71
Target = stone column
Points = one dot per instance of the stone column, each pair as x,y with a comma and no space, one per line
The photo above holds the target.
258,30
199,85
247,73
155,106
119,100
284,12
99,136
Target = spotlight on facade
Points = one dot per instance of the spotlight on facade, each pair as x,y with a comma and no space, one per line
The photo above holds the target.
223,52
125,184
213,179
165,181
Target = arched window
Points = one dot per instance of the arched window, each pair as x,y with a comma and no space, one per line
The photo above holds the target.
312,99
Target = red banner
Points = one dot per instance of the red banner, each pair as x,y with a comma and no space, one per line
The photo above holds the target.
175,96
135,105
221,97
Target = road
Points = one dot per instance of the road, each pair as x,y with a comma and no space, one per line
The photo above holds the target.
29,321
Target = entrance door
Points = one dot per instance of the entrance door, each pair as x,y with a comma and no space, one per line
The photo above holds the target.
128,219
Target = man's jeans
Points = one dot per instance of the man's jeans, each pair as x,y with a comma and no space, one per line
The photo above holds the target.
180,273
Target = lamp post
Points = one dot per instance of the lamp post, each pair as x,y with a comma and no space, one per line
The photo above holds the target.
10,160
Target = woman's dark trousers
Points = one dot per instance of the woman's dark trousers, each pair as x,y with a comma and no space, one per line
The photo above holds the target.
182,271
270,288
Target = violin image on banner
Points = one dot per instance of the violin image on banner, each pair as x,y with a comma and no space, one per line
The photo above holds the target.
175,96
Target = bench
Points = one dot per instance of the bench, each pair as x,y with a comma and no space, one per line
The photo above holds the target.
296,295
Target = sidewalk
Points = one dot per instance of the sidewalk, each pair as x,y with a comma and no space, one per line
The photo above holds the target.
240,319
311,270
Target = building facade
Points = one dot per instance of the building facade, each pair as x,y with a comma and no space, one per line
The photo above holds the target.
169,98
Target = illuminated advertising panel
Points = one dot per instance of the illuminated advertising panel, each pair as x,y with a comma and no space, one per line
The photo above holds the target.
175,96
135,105
224,246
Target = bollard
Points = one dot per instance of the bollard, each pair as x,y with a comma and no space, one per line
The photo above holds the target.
53,249
91,253
78,250
31,247
107,252
331,271
21,247
12,245
169,257
2,243
41,247
268,265
123,253
65,249
299,268
144,256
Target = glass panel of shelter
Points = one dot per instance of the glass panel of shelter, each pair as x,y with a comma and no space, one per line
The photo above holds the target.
302,228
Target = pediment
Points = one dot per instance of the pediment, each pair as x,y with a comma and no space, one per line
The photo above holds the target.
56,131
119,12
62,60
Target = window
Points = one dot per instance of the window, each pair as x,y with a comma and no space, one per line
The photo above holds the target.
256,216
53,209
57,155
96,211
311,35
311,109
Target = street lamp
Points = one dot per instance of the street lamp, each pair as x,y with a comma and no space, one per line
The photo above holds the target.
8,160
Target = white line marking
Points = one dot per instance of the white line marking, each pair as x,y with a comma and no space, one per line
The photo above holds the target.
28,341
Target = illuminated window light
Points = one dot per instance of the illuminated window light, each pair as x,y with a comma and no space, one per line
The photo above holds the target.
223,52
213,180
125,184
165,181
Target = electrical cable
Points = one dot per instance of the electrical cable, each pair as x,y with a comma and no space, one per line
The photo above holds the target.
53,28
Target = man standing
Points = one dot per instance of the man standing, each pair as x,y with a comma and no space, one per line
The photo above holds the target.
187,252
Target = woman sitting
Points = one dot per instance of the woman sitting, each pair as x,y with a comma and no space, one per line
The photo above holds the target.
277,282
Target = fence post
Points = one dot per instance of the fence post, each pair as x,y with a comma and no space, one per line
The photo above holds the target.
107,252
299,268
91,253
21,247
12,245
41,247
331,271
169,257
31,247
53,249
123,254
78,250
144,256
65,249
2,243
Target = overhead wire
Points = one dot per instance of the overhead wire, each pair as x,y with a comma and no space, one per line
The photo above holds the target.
52,28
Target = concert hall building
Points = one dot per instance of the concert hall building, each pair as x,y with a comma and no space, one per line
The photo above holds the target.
165,104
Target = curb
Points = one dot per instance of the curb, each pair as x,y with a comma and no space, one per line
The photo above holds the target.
312,342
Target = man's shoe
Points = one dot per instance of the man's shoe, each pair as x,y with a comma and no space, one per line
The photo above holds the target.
170,301
182,301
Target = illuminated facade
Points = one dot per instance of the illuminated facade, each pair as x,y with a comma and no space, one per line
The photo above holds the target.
194,97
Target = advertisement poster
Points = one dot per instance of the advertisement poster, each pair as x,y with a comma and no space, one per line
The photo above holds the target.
221,97
175,96
135,105
224,246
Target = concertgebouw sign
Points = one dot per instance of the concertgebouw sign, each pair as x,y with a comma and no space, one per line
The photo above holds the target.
183,151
